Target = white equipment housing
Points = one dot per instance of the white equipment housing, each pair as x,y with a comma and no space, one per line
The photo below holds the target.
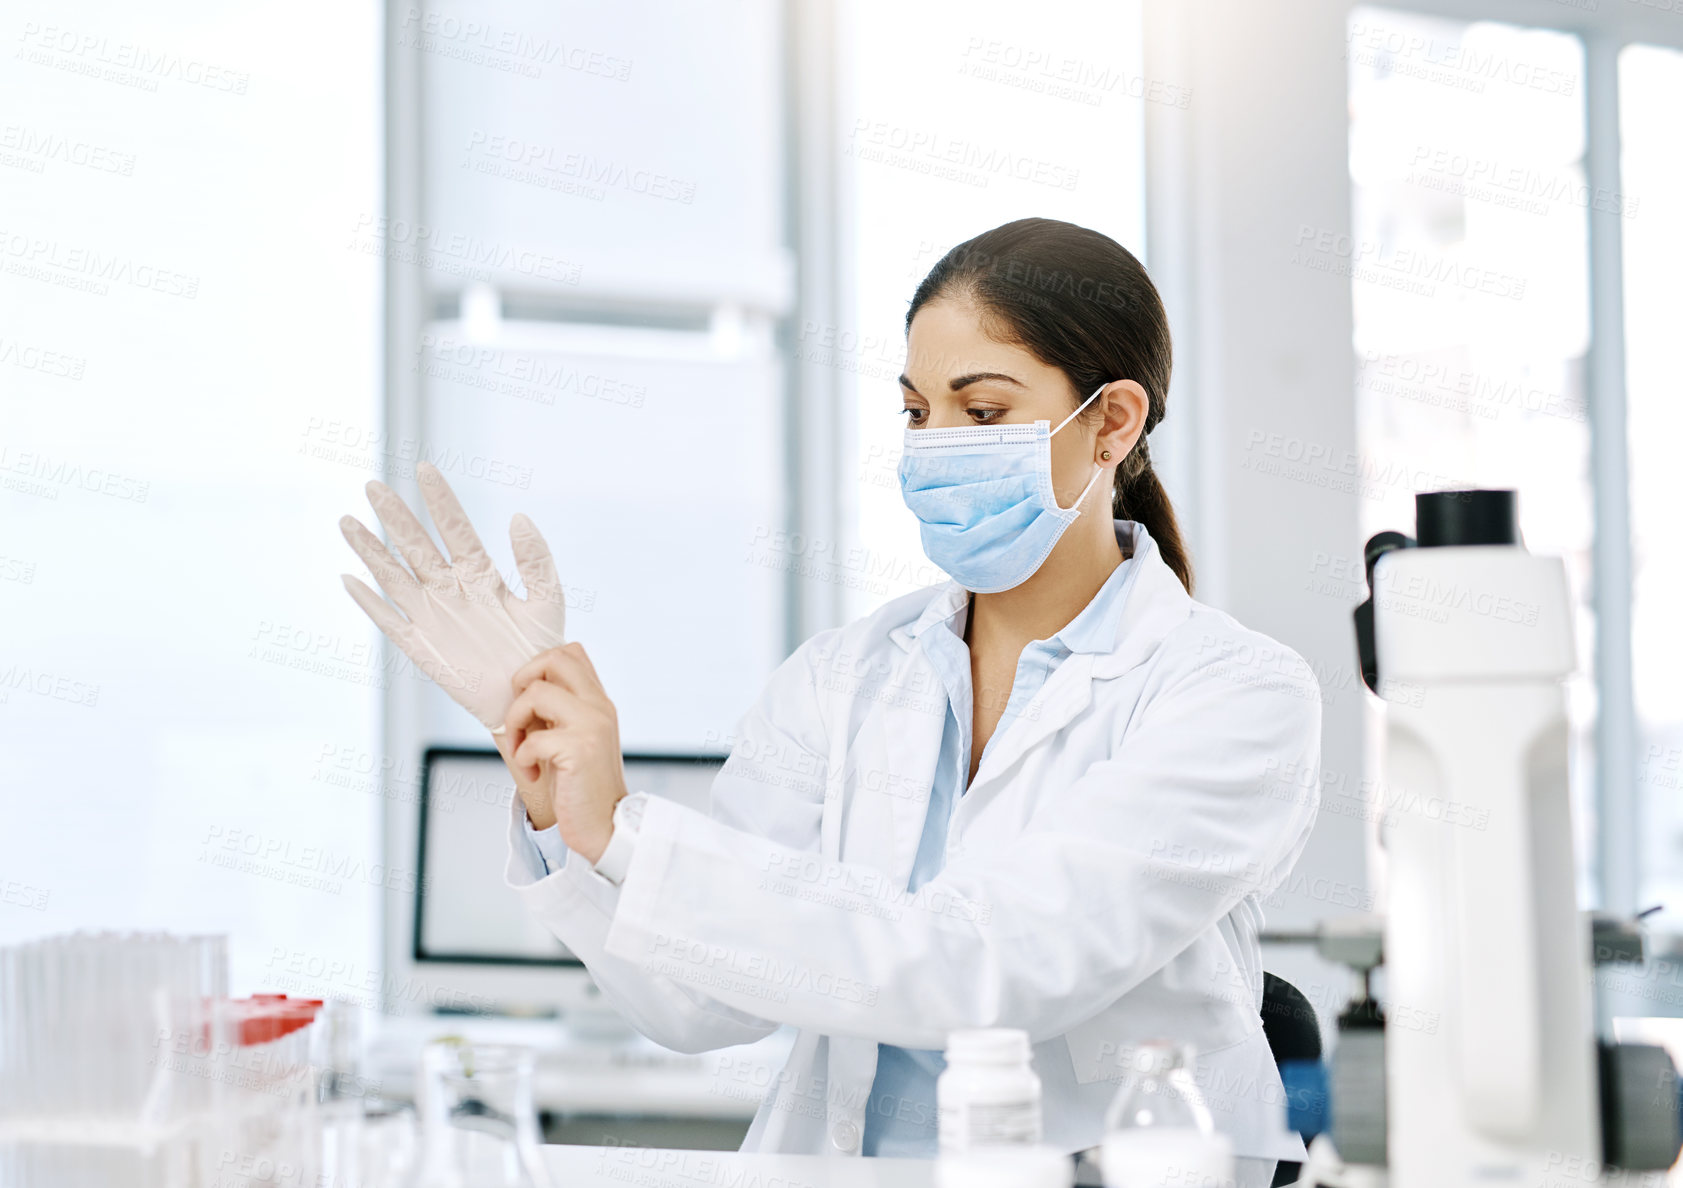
1482,932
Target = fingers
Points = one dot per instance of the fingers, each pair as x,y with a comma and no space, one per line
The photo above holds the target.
533,559
406,533
458,684
409,641
541,705
398,583
567,666
467,554
507,744
541,747
395,626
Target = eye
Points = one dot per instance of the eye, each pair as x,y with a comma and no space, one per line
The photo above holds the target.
985,416
915,416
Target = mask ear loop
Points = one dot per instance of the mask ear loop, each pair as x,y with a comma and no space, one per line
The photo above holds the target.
1085,491
1082,407
1097,469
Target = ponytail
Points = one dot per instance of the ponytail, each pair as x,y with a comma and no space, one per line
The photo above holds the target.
1140,496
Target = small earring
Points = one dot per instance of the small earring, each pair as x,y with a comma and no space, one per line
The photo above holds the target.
1105,455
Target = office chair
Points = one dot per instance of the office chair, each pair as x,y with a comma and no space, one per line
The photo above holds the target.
1288,1020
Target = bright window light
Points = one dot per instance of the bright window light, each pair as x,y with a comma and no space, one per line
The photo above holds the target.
1468,260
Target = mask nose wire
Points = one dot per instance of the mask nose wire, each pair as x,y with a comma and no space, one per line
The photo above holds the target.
1082,407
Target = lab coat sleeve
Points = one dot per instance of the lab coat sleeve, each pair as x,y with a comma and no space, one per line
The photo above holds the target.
576,904
1112,877
772,783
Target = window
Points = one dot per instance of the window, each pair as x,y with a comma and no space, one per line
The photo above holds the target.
603,357
189,380
1468,259
1650,100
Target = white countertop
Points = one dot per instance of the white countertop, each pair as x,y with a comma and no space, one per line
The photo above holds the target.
647,1167
616,1073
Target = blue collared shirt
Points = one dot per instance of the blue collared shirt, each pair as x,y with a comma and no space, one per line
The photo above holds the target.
900,1114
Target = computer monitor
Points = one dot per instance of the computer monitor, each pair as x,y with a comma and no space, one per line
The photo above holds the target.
465,916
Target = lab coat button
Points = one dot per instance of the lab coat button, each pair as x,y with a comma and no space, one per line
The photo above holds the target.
845,1136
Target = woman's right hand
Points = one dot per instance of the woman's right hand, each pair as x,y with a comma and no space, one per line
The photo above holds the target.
537,794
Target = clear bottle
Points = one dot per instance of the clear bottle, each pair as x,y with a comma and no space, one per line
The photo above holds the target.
989,1095
1158,1130
478,1124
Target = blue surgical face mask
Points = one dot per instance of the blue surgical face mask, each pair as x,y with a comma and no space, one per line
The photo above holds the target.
983,497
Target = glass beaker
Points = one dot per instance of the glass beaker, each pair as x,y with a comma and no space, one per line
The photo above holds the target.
1158,1130
479,1128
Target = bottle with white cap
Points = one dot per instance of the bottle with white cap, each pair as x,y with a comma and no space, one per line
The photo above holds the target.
1158,1131
989,1095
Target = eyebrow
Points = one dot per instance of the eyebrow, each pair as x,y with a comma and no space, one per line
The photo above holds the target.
964,381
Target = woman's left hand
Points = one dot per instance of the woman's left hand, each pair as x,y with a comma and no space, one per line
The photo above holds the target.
562,717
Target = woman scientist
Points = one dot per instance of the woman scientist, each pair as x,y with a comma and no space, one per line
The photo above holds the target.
1035,796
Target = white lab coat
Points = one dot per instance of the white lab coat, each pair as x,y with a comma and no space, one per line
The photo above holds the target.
1102,883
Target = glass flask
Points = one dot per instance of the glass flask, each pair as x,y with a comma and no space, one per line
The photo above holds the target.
478,1125
1158,1130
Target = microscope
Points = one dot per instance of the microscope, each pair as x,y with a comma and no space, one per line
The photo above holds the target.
1484,1065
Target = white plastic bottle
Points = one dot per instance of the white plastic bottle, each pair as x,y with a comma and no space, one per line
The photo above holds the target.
1158,1131
989,1096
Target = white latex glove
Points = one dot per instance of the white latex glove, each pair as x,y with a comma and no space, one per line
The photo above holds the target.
460,624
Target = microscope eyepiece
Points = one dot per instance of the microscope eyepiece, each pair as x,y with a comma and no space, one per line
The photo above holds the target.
1447,518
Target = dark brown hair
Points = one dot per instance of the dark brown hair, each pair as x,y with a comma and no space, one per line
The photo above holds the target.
1078,301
